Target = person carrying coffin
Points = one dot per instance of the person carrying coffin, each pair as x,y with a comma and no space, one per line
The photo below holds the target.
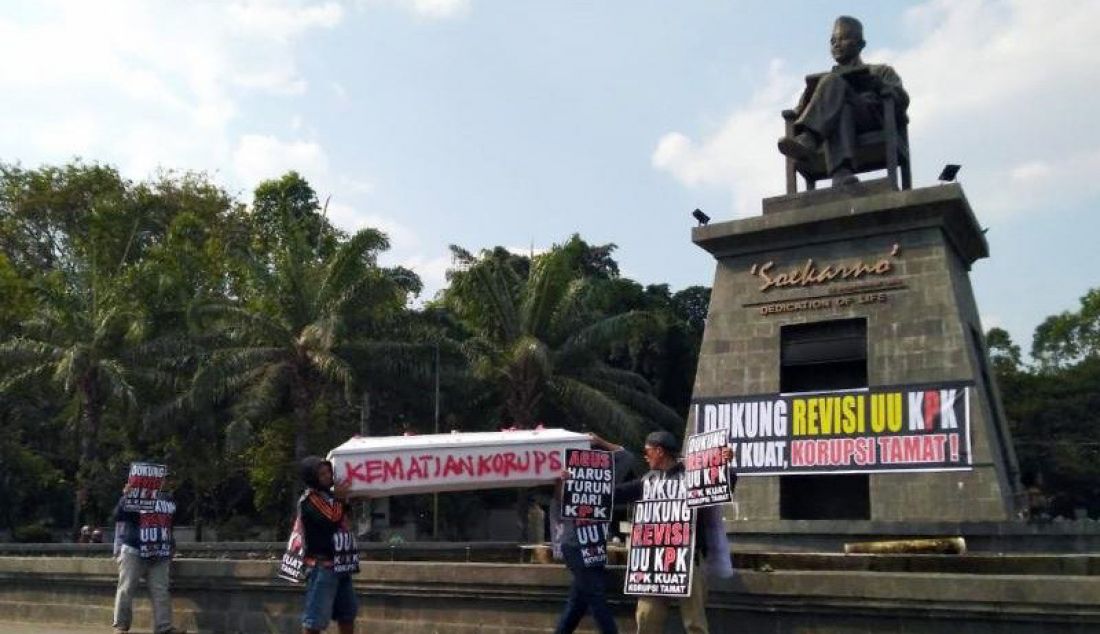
329,553
588,591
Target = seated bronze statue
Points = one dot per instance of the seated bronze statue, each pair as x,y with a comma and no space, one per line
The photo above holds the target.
839,105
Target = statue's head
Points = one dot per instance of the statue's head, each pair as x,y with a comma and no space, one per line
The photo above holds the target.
847,40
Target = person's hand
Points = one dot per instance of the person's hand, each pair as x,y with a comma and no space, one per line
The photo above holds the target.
564,475
727,454
126,488
342,489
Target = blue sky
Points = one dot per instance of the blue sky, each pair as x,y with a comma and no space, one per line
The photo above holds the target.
486,122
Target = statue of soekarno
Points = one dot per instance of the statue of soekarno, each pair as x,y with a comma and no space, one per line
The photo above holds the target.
843,102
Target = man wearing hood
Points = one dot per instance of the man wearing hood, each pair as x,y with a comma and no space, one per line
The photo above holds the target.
329,550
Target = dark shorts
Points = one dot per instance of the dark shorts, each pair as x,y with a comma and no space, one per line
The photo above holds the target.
329,596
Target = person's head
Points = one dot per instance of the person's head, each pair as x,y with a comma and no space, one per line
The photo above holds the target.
661,450
316,472
846,42
97,536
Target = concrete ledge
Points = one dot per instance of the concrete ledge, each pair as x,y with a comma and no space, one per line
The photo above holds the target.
243,596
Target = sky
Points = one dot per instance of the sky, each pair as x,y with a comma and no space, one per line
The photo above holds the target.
518,123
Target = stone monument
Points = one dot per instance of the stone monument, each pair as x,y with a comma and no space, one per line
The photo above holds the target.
854,299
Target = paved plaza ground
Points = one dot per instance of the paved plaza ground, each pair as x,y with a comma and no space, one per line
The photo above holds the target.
47,628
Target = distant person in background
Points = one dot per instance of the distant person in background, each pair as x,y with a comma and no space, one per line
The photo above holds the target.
144,546
97,537
329,544
85,535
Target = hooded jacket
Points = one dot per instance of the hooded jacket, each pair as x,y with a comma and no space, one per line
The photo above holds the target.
322,514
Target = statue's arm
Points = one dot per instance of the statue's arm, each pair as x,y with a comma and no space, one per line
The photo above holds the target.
890,85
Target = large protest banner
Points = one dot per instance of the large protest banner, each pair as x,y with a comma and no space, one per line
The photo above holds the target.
144,482
880,429
662,540
706,473
588,493
397,465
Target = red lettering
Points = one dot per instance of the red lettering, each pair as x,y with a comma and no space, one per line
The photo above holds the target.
931,408
540,460
484,465
670,558
374,471
555,461
393,470
523,463
416,470
353,472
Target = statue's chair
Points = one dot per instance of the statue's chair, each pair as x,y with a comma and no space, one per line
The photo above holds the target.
886,148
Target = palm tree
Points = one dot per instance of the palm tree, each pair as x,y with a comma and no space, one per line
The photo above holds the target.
77,342
299,332
538,340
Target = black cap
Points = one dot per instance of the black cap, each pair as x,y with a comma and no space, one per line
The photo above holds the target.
664,440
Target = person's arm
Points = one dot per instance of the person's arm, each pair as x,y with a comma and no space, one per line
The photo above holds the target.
124,523
628,491
600,443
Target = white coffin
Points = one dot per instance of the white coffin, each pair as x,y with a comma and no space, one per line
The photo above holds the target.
396,465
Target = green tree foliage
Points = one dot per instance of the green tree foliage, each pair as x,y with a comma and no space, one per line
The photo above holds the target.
541,342
1053,409
1070,337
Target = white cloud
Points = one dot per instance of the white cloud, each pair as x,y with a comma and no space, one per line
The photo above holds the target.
999,86
431,9
274,19
142,84
441,8
258,157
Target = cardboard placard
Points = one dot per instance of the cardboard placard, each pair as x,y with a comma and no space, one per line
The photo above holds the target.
706,471
292,566
155,530
662,540
589,491
145,481
592,537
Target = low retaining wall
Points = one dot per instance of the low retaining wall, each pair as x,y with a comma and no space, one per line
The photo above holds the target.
1076,536
236,596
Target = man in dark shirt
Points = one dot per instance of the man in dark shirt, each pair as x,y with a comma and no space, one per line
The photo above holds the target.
144,546
662,453
588,592
329,552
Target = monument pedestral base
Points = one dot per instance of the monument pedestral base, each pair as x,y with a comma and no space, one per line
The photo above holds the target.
849,290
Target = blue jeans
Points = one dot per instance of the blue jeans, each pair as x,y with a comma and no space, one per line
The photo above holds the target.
329,596
588,592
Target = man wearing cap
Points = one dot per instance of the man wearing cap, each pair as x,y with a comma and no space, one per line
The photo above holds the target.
662,454
329,551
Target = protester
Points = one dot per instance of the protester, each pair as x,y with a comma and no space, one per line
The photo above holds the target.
662,453
143,547
588,591
329,550
85,535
